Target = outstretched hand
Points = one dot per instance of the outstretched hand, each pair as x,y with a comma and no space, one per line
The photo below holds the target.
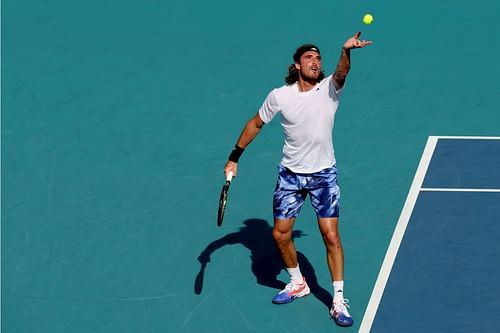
355,43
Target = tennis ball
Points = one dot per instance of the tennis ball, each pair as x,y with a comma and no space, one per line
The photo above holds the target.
368,19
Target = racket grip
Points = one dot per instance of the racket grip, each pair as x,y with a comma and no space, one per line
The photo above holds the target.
229,176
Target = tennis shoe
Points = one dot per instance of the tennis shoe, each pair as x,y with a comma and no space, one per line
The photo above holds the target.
292,291
340,314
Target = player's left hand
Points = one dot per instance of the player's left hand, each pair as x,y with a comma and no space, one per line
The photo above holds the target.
355,43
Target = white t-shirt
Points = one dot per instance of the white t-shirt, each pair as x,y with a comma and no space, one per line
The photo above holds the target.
307,119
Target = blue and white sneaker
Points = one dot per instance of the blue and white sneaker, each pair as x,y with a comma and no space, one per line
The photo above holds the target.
340,314
292,291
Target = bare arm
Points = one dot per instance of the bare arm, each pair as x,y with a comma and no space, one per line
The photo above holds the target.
344,63
249,132
342,69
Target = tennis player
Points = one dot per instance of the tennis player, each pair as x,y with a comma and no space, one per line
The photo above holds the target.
308,103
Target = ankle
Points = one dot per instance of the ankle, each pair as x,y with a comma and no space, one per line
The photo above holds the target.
295,274
338,291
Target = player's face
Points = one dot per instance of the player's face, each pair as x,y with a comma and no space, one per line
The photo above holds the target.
310,65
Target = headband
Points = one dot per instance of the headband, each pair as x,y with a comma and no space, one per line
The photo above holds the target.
303,49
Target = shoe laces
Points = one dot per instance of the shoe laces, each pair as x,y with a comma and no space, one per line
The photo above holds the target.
341,307
293,285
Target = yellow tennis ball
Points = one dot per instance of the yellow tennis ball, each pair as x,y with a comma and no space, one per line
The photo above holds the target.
368,19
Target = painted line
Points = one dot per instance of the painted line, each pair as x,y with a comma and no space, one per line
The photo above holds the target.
390,256
469,137
460,189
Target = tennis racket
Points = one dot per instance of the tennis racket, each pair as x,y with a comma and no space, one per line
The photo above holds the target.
223,198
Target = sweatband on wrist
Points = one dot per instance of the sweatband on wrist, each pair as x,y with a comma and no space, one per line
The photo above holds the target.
236,154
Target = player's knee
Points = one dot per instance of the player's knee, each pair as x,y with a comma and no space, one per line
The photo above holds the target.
332,239
282,236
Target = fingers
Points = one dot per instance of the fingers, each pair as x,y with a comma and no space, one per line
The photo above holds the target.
361,43
355,43
230,167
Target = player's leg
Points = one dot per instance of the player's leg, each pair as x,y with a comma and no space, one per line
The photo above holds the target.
297,287
335,258
282,233
287,201
334,252
325,198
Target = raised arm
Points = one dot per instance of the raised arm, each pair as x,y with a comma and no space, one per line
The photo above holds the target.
344,63
249,132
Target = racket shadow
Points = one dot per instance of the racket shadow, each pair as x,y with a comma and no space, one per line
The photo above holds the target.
256,236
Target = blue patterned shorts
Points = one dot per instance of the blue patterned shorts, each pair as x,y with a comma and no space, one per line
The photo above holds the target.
292,189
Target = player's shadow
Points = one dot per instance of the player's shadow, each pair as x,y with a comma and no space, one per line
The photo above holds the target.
256,236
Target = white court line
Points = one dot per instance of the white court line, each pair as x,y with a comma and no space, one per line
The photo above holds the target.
404,218
385,270
460,189
468,137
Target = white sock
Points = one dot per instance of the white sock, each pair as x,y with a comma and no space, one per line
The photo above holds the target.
338,290
295,274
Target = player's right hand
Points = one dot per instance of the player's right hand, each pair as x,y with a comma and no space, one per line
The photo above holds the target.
230,167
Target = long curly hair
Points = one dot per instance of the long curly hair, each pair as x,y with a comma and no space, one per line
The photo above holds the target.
293,75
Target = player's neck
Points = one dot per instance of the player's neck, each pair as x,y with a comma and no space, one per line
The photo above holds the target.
306,85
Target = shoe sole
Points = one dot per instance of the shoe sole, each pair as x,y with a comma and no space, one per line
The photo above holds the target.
340,323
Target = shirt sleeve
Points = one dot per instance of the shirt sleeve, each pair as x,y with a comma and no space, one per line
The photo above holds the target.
336,92
269,108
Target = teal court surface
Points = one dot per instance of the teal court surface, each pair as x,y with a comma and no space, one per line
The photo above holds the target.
117,118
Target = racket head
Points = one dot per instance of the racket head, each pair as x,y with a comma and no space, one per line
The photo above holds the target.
222,203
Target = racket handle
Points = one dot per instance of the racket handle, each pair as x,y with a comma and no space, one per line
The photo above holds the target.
229,176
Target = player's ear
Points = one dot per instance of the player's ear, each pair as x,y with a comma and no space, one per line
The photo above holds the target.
297,66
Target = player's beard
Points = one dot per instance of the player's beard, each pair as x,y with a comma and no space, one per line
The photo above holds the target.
310,76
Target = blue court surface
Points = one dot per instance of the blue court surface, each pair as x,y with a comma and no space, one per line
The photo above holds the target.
445,250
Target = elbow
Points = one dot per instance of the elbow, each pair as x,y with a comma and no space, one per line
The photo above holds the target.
257,122
339,80
341,74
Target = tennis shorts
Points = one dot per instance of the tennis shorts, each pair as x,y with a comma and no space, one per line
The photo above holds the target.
292,189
